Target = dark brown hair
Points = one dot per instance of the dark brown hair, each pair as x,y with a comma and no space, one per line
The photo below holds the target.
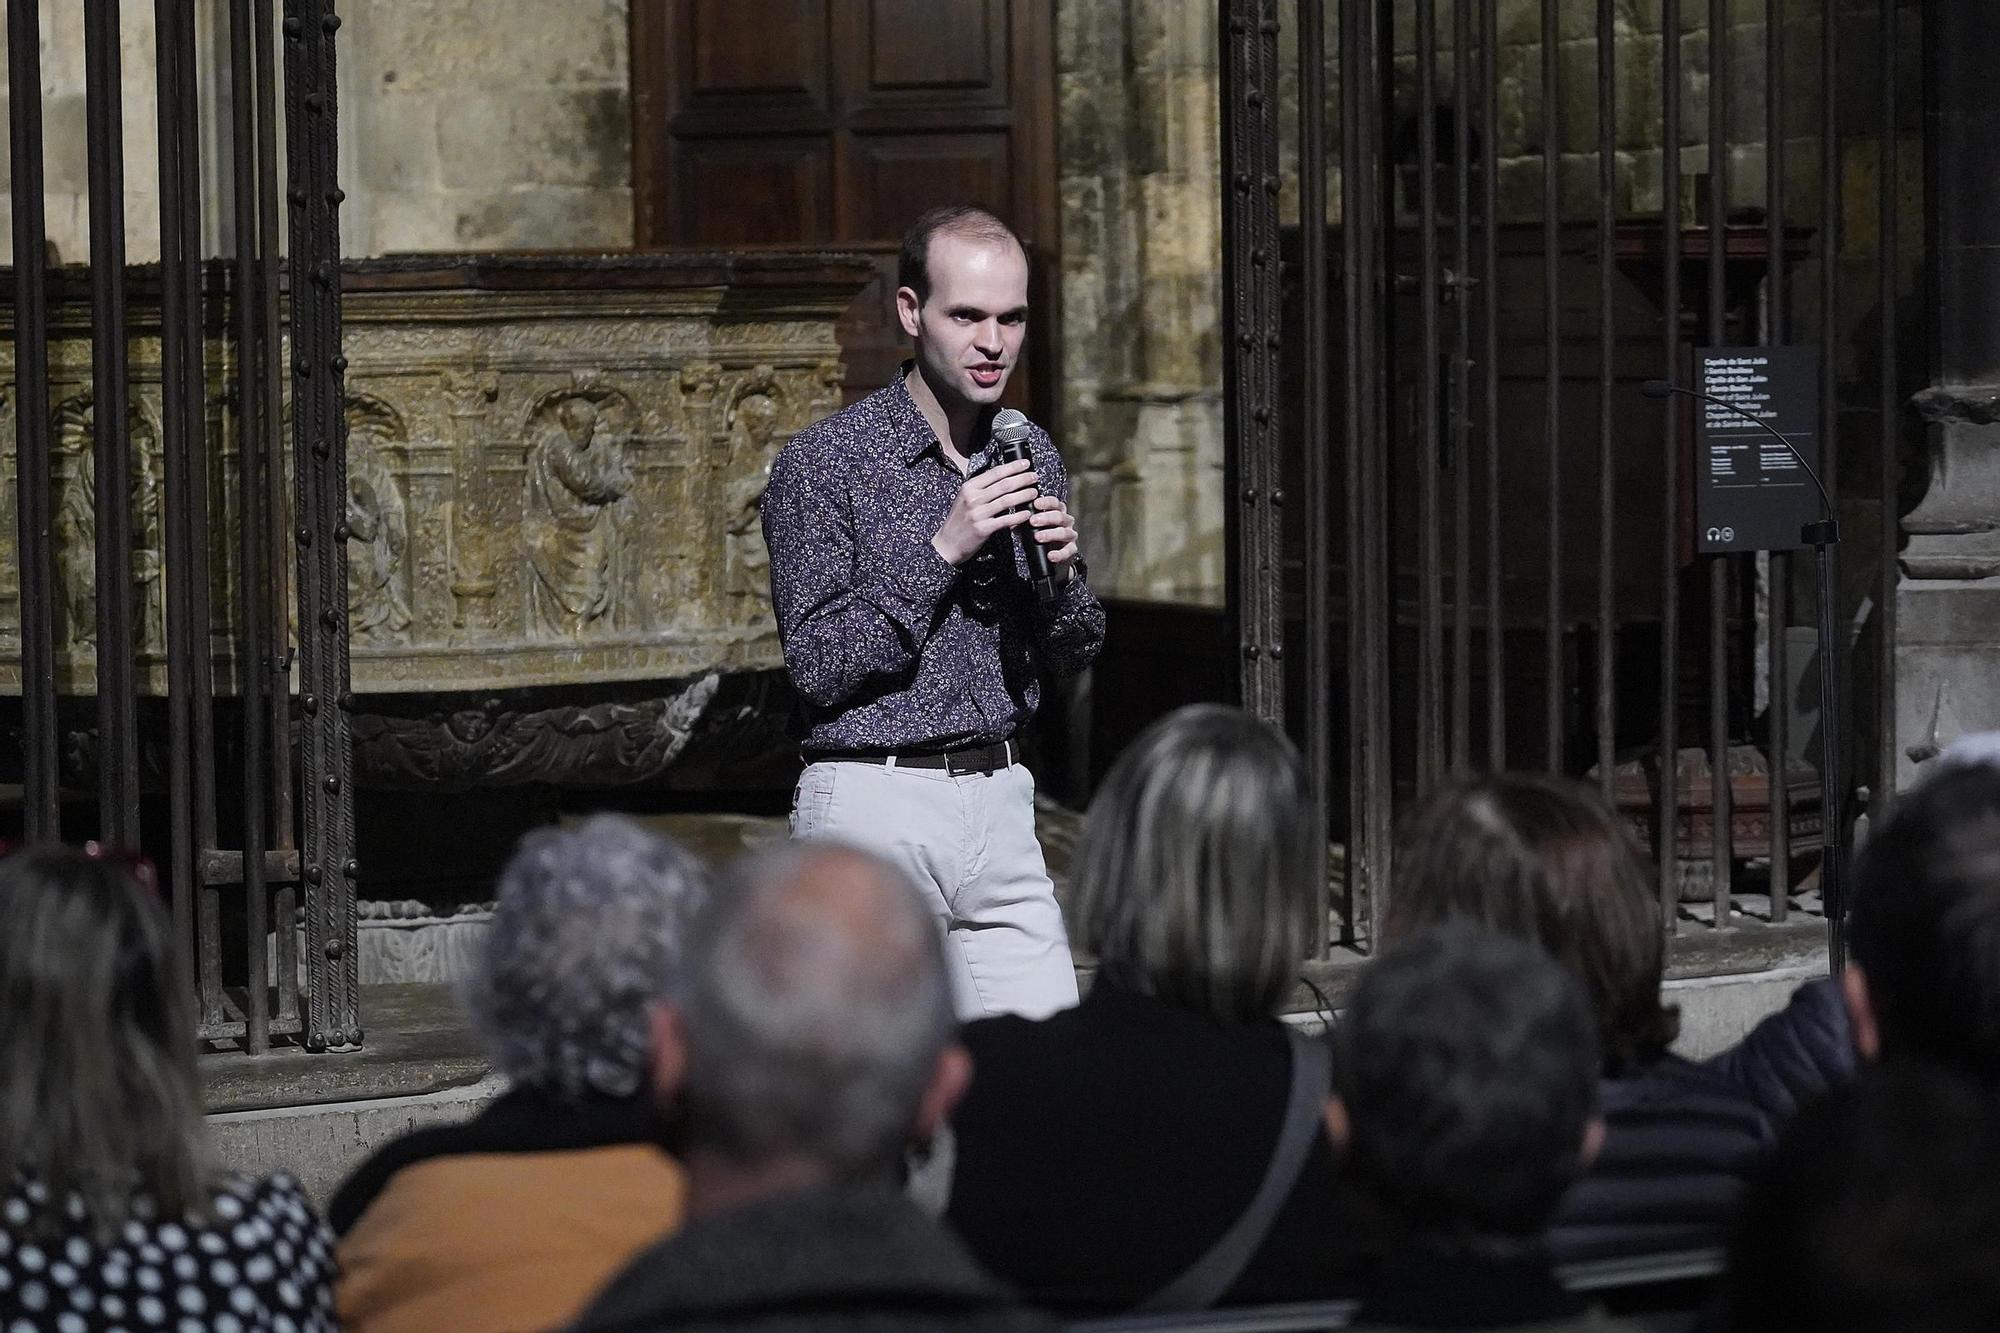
100,1098
1541,858
965,220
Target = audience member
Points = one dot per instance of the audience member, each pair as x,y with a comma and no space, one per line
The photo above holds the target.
1879,1212
1107,1157
1467,1102
1924,979
811,1043
112,1212
1541,858
514,1219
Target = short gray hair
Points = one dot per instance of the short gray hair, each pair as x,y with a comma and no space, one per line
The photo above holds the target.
1193,875
815,1008
587,937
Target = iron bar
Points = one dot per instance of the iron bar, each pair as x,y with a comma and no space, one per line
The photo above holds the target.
269,425
1883,792
1552,654
1778,579
1315,436
1721,808
1356,282
1250,321
1430,570
177,329
1666,801
253,529
1359,279
1607,268
111,449
34,540
319,441
1489,199
1378,106
1461,386
1833,797
187,449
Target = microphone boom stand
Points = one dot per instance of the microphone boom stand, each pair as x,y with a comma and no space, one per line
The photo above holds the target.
1823,536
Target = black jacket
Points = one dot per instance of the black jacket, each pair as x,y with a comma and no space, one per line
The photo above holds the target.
1680,1141
1796,1054
1103,1150
831,1259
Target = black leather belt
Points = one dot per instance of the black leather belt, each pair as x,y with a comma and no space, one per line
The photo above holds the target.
971,759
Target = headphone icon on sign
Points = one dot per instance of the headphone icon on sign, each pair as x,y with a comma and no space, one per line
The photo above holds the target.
1722,534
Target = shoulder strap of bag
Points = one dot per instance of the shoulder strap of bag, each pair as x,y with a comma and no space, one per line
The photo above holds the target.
1203,1284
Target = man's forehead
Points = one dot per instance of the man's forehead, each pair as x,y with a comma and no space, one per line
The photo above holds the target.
966,262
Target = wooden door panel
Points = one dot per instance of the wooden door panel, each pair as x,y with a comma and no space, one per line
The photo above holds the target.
750,191
934,46
762,51
837,122
894,178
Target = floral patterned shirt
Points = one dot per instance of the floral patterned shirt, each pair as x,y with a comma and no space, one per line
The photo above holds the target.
892,647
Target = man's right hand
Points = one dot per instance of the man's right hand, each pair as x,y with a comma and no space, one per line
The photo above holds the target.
981,507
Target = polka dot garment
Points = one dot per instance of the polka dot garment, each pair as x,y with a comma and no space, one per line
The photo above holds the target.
262,1262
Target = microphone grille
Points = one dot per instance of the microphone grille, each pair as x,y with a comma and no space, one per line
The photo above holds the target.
1010,425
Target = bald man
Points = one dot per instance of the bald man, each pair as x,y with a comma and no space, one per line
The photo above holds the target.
813,1043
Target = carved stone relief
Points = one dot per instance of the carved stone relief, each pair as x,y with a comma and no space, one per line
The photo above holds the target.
75,522
547,486
378,523
578,511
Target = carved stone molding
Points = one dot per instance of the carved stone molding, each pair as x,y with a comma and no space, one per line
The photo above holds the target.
501,743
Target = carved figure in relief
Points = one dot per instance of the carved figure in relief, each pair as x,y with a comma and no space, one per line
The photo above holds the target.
579,506
76,525
754,423
378,538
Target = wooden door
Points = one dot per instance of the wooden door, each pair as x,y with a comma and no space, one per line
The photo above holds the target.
836,123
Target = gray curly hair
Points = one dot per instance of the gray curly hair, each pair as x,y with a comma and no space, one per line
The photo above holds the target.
586,938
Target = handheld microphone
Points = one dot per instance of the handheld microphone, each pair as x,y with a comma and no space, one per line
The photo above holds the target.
1010,442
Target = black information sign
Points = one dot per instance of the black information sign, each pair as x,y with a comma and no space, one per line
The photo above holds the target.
1750,492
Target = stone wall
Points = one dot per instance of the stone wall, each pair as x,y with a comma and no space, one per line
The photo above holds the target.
1141,377
465,125
486,125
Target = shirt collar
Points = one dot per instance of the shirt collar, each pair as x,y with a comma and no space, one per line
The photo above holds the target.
914,436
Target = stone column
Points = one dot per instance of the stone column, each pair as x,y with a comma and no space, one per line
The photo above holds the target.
1948,603
1141,380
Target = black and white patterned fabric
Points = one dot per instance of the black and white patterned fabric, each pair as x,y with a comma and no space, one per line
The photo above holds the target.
260,1262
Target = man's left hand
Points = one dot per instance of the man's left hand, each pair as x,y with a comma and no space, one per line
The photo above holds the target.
1056,530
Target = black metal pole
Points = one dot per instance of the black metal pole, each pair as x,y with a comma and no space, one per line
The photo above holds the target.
111,445
253,535
1315,437
34,541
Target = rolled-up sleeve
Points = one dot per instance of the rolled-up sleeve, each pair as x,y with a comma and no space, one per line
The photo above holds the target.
844,613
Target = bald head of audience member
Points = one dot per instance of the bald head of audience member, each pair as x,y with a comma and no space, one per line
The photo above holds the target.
812,1039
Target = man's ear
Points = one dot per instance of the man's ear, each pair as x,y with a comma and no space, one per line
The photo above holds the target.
670,1055
1338,1130
909,311
1593,1143
950,1077
1861,1021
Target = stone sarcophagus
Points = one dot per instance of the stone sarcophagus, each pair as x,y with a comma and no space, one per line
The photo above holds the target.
554,470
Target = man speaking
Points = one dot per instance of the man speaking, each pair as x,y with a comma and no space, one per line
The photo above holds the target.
914,628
